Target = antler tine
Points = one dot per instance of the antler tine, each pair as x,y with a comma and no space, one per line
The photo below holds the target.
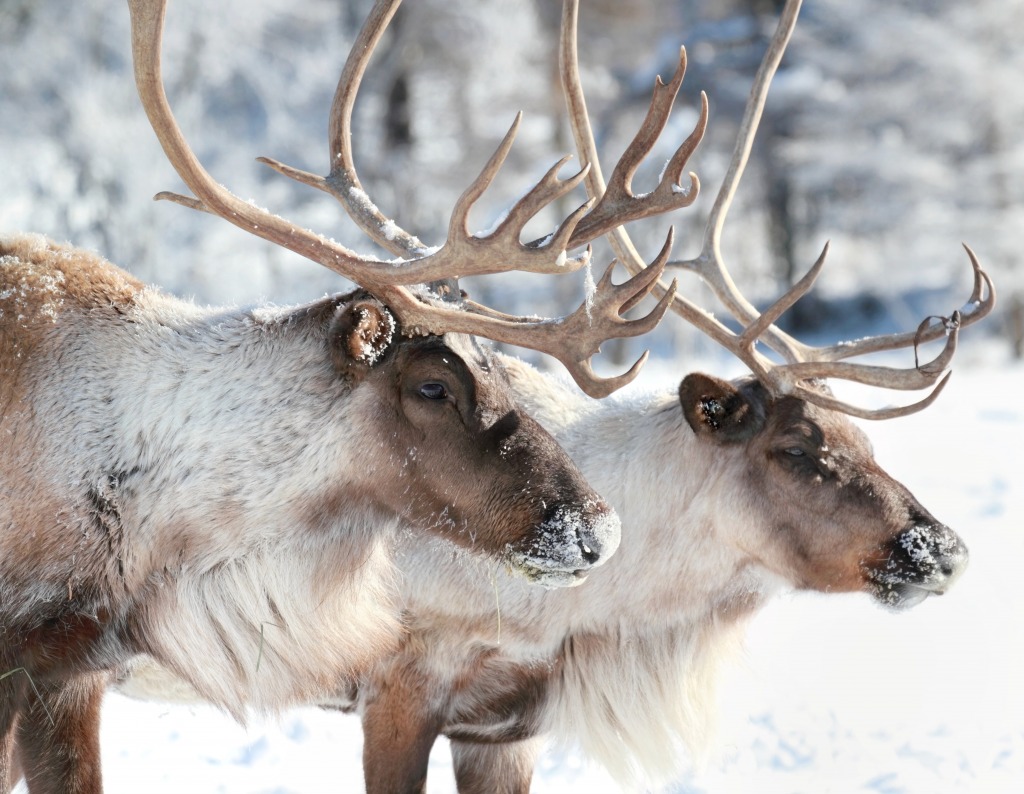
921,376
805,363
343,181
600,318
467,256
827,362
587,326
617,204
978,306
827,401
767,318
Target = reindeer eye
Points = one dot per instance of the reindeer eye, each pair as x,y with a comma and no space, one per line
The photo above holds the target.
433,391
794,452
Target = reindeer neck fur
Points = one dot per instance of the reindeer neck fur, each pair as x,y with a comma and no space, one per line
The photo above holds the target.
142,434
632,654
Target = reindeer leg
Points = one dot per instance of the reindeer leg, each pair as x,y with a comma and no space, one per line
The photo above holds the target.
398,732
498,768
10,772
58,737
12,698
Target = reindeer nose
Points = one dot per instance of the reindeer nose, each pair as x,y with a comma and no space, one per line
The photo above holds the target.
937,553
597,534
574,539
590,556
952,559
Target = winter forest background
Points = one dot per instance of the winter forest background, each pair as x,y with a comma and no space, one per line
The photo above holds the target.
893,129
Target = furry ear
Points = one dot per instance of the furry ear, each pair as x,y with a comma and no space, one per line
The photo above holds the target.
361,335
717,410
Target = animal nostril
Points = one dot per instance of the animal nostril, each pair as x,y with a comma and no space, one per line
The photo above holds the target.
589,555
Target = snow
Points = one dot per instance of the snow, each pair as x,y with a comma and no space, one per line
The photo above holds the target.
589,289
832,694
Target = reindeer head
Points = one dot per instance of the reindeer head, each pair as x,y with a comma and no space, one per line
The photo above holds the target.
811,503
455,455
836,520
458,452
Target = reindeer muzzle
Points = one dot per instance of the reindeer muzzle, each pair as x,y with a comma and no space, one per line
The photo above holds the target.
572,542
924,560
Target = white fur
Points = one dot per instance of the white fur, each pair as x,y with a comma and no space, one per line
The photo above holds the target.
632,656
217,525
637,688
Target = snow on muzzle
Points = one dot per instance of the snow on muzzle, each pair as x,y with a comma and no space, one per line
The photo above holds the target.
571,542
924,560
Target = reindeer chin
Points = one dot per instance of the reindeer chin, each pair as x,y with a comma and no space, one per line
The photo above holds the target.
548,573
552,579
901,597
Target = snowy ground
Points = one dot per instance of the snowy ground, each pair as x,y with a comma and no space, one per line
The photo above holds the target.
832,695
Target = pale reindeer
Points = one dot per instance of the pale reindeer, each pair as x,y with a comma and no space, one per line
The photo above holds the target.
727,492
218,489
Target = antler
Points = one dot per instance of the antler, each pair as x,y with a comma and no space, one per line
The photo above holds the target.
803,362
462,254
616,205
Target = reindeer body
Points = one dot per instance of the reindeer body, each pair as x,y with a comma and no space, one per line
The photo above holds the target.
729,491
133,510
219,490
626,665
726,496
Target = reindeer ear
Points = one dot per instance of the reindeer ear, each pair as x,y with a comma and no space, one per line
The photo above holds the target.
717,410
362,333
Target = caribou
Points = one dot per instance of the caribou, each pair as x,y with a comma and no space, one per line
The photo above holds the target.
219,489
727,491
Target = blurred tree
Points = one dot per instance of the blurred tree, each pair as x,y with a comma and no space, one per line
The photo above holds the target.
889,130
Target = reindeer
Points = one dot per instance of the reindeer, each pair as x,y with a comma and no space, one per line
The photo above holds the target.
218,489
727,491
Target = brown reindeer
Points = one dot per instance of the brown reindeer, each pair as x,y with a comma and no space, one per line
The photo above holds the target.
218,489
727,492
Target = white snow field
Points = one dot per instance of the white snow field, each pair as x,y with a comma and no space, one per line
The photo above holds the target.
832,694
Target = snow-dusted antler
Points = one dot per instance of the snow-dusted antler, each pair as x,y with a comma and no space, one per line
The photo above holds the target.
572,339
802,362
615,206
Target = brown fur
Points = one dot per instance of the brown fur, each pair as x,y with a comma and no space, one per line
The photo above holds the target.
491,703
41,279
58,737
494,768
